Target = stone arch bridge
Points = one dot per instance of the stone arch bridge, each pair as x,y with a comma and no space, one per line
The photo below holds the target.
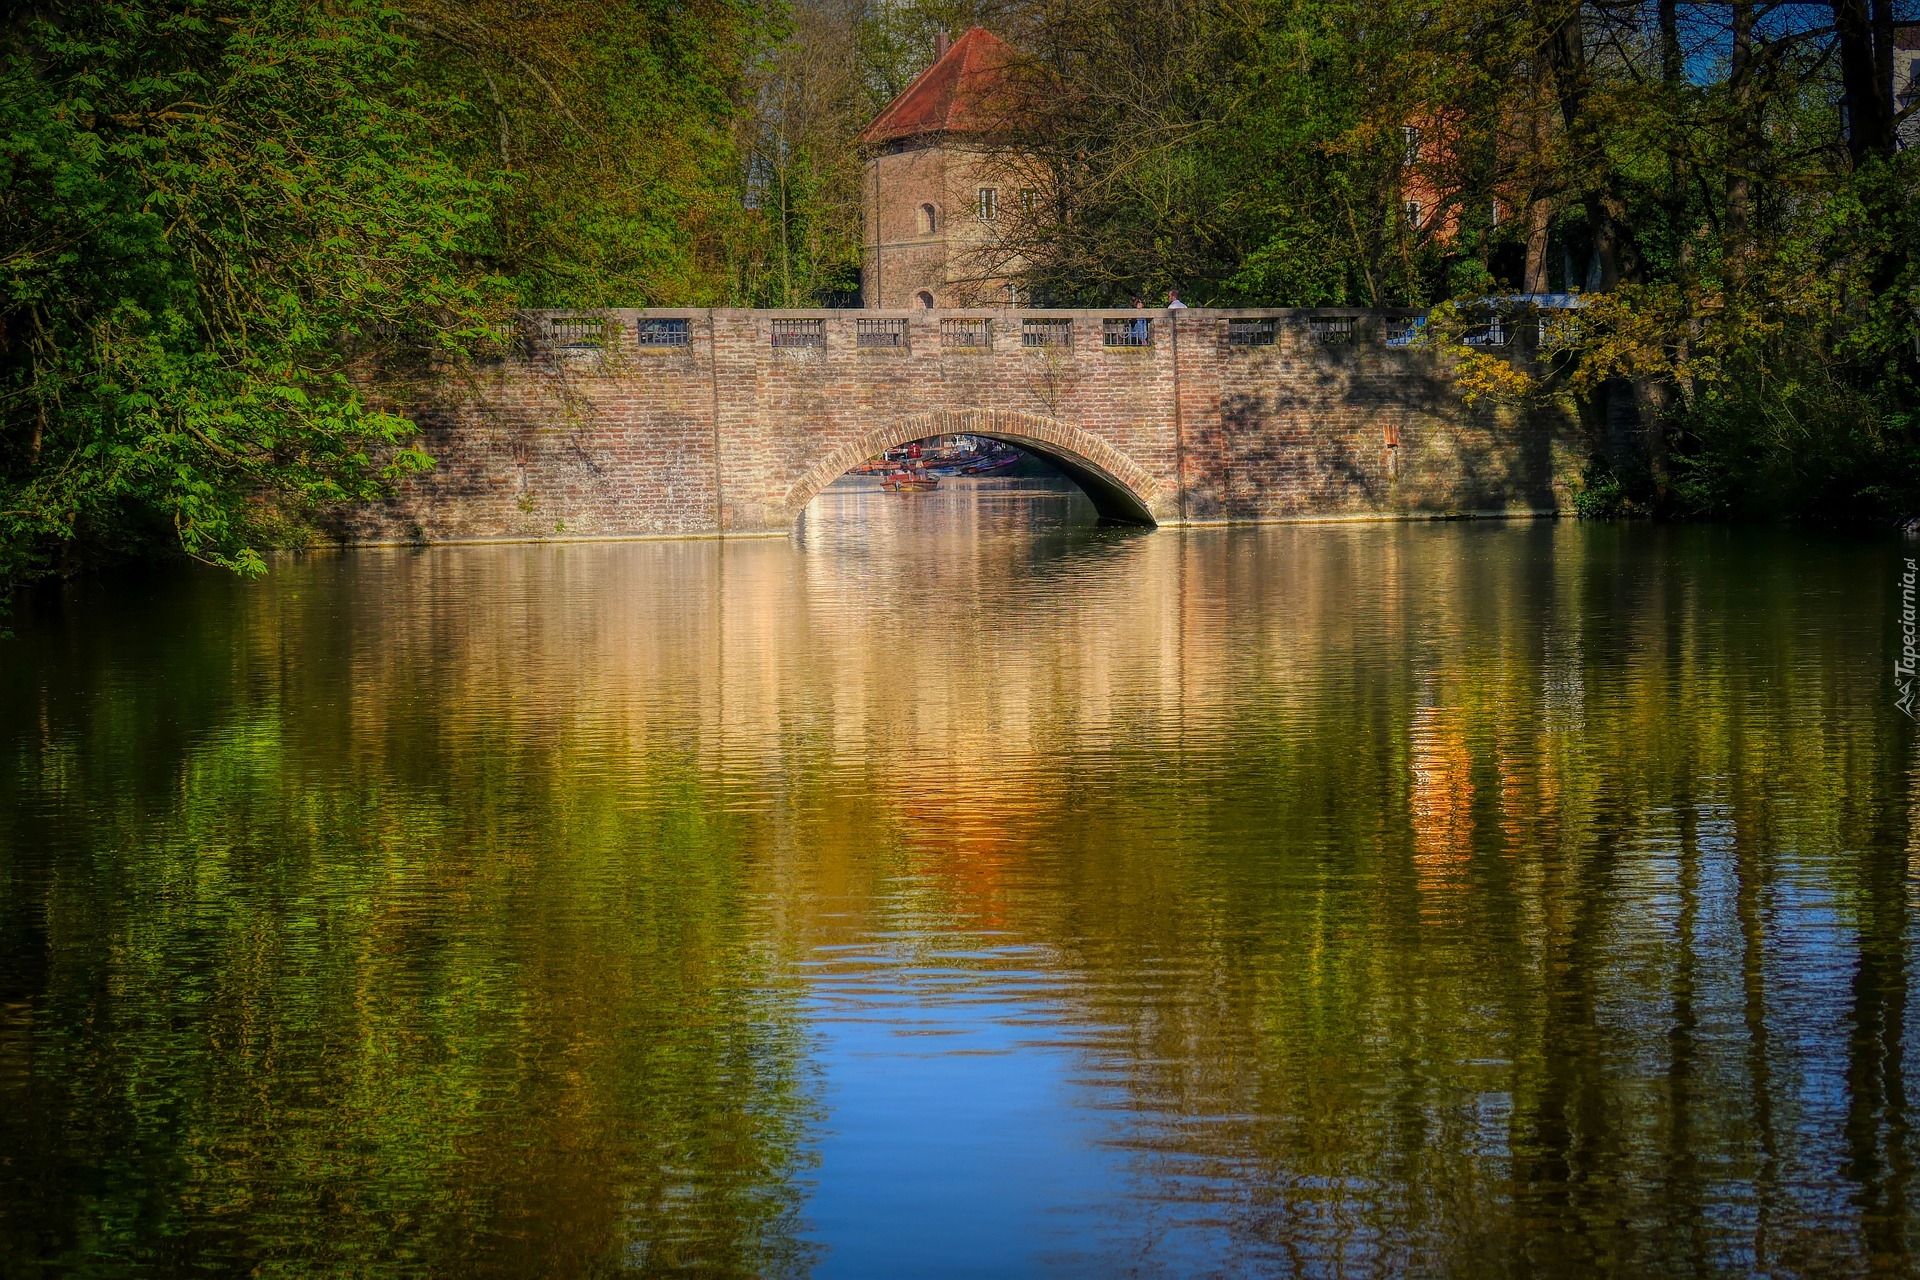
678,423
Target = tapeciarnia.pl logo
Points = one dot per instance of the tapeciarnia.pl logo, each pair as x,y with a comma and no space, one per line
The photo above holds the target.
1903,665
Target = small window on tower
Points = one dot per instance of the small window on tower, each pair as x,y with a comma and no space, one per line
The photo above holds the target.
1410,143
928,221
989,204
1413,213
1029,200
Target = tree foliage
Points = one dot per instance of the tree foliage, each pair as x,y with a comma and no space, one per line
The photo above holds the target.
202,208
212,212
1724,181
606,133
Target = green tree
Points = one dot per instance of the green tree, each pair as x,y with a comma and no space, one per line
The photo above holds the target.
607,133
208,212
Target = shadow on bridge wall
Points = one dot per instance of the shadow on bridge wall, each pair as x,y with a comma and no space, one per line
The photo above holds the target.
1120,488
696,423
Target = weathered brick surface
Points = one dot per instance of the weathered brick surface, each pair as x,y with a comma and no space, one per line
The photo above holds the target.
964,261
733,434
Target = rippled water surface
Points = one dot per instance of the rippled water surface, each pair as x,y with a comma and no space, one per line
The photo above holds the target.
963,889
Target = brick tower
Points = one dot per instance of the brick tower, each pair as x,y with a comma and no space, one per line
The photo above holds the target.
939,195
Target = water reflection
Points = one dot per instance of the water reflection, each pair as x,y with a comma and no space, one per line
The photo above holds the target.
962,888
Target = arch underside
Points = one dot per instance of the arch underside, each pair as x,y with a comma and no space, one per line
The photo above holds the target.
1120,489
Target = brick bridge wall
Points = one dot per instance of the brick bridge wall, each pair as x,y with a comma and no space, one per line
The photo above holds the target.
732,434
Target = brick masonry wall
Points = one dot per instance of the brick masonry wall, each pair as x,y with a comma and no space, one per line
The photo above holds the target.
731,433
961,262
908,259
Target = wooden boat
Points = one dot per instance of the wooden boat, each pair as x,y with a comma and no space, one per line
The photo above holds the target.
987,466
971,464
909,481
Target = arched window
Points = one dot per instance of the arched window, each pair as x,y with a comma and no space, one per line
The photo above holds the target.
925,300
928,221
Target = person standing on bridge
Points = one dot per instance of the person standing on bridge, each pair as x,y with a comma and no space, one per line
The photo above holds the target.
1173,301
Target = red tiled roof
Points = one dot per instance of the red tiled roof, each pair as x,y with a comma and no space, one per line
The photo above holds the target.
952,95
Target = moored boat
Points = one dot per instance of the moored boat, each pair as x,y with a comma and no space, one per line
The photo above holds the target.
988,465
922,466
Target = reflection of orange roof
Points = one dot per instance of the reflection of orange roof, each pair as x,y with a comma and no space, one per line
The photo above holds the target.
949,96
1442,793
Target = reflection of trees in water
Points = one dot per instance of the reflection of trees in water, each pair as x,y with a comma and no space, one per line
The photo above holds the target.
390,983
1578,1061
1499,900
1490,980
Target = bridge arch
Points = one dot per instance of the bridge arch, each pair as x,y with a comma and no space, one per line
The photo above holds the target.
1121,489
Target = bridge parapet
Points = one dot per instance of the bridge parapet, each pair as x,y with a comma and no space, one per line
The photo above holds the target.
692,421
969,331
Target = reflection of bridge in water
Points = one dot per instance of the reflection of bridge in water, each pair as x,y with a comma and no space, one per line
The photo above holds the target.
695,422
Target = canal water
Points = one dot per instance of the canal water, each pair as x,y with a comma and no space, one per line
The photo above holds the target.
964,889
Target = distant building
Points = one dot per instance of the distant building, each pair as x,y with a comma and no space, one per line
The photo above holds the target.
1427,172
939,199
1906,81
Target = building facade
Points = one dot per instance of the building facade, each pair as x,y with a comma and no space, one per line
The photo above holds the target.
1906,81
942,192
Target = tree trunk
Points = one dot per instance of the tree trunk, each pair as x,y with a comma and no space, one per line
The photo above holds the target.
1656,397
1538,214
1620,260
1613,241
1743,131
1672,58
1865,34
1653,399
1629,407
1540,207
1868,90
1673,79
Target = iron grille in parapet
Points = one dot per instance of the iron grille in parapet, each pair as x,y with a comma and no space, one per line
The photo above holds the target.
799,333
1559,331
1331,328
1136,331
1046,333
579,331
880,333
1252,333
663,333
1410,332
972,335
499,340
1489,330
